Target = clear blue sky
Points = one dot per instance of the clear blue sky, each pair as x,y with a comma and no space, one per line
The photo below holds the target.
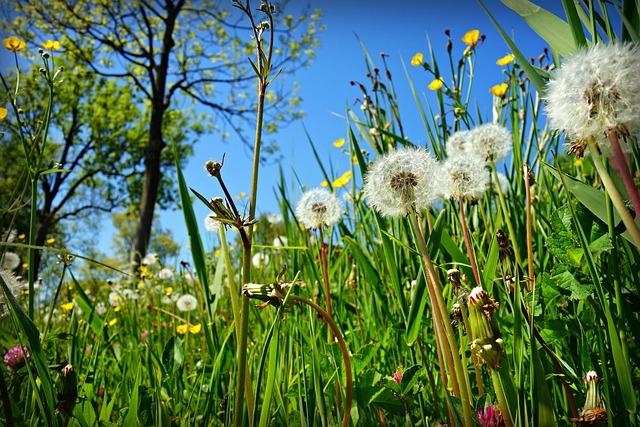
398,28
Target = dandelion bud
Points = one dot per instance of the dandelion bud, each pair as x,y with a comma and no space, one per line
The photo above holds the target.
46,55
213,168
487,346
42,70
454,277
67,398
40,51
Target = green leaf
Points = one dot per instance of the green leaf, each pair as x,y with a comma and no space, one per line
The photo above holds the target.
131,417
491,264
574,22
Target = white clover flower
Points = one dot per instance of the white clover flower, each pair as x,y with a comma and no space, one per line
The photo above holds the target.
165,274
280,241
260,259
115,299
319,208
464,177
10,261
400,181
596,90
15,285
187,302
150,259
101,309
211,224
491,141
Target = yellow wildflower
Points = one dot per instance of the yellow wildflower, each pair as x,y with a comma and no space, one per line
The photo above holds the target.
25,265
324,184
506,60
117,308
577,162
50,240
3,113
66,307
338,143
217,253
417,59
141,284
182,329
113,321
342,180
168,290
14,44
354,160
499,89
436,84
51,45
195,329
22,236
471,38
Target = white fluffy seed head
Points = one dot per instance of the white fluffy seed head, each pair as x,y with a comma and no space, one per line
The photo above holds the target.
319,208
491,141
502,182
166,274
260,259
211,224
10,261
596,90
464,176
15,286
400,181
186,303
458,142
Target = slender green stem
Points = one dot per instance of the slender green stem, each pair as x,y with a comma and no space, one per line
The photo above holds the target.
614,194
345,354
507,218
502,400
467,243
531,271
33,222
619,163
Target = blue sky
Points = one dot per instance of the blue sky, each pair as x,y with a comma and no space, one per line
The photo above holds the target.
399,29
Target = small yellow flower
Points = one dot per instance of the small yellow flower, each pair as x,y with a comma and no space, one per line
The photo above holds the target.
51,45
14,44
25,265
417,59
67,306
338,143
117,308
182,329
195,329
141,284
499,89
168,290
342,180
113,321
577,162
324,184
506,60
217,253
471,38
22,236
3,113
50,240
354,160
436,84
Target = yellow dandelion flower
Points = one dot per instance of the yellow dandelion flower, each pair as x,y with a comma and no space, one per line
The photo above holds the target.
338,143
324,184
499,89
117,308
113,321
354,160
217,253
436,84
506,60
50,240
51,45
342,180
168,290
22,236
182,329
25,265
577,162
66,307
471,38
417,59
195,329
14,44
3,113
141,284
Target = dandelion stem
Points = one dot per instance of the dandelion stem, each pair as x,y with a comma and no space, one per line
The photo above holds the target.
532,278
614,194
467,242
507,218
619,163
343,348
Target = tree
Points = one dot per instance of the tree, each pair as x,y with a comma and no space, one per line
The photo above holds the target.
172,52
92,121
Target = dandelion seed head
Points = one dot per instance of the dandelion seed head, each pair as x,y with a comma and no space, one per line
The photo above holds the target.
319,208
10,261
594,91
280,241
186,302
114,298
165,274
211,224
401,181
15,285
491,141
150,259
101,309
464,177
260,260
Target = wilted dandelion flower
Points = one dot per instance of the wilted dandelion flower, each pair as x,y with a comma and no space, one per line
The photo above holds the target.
15,287
400,181
211,224
15,356
319,208
165,274
187,302
490,140
464,177
594,91
10,261
260,259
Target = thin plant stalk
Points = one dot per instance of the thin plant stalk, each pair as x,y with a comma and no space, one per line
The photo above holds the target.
532,278
467,242
323,249
619,163
507,217
343,348
614,194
